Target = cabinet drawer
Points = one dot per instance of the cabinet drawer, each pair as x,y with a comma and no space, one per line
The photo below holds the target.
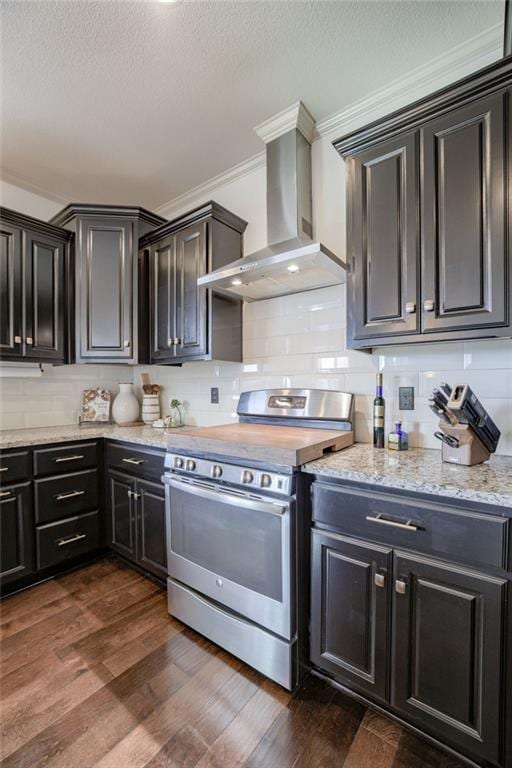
135,461
14,466
450,533
66,539
57,497
65,458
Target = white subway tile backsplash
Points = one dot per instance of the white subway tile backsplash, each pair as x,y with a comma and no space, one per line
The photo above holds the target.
293,341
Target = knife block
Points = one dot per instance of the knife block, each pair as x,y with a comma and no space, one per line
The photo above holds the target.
470,450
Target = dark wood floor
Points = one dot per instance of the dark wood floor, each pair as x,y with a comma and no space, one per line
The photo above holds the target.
95,673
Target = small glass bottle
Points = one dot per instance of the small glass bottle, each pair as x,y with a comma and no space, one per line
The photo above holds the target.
378,415
398,440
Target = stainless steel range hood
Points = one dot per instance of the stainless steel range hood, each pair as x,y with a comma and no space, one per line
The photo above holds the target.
292,262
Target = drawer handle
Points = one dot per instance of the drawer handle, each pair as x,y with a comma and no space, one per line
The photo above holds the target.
408,526
70,495
400,587
68,458
134,461
71,539
4,469
18,340
3,494
410,308
134,495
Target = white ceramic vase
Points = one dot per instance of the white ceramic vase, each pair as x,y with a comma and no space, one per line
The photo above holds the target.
125,407
150,408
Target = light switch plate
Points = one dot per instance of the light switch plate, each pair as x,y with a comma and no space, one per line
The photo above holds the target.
214,395
406,398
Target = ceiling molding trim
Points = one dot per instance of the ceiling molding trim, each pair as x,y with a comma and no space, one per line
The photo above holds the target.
30,186
207,188
461,60
296,116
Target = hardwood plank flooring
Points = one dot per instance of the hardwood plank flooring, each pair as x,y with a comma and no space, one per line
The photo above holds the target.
95,673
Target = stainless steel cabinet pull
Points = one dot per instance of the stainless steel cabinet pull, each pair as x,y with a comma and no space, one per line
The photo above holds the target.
4,469
408,526
400,586
380,580
134,495
410,307
70,495
29,340
17,339
176,342
68,458
170,342
126,343
134,461
71,539
3,494
428,305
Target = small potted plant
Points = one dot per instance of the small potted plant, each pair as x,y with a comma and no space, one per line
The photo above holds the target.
176,417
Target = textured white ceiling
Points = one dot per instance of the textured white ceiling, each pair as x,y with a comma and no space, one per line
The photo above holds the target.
137,102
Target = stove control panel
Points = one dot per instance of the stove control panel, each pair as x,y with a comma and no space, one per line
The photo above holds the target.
231,473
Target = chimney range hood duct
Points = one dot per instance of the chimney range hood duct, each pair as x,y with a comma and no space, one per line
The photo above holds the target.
292,262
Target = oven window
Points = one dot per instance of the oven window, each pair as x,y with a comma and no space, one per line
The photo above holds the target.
232,542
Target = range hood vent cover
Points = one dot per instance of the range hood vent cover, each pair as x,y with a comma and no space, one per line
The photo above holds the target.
292,262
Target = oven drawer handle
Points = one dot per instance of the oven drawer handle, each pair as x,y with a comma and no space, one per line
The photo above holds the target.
408,526
71,539
68,458
70,495
134,461
221,495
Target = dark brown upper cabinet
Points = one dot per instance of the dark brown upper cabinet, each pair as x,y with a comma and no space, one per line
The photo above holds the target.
384,239
34,270
429,217
187,322
108,281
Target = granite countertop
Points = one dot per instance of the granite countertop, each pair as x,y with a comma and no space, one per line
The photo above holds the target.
143,435
420,470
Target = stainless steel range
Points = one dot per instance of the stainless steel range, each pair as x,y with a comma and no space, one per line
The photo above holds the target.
235,527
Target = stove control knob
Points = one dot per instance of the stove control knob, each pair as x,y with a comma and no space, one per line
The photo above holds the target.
190,465
216,470
178,462
266,481
247,477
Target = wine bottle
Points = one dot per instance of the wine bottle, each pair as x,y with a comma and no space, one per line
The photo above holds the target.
378,415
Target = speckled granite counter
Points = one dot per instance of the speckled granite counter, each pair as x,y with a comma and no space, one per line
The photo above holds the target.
422,471
19,438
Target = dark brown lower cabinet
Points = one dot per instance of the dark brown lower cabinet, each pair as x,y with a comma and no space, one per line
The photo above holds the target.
137,521
447,651
423,635
349,610
16,533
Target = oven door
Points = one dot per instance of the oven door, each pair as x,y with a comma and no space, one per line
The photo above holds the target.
234,547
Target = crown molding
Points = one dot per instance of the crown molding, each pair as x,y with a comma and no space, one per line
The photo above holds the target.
27,184
296,116
207,188
463,59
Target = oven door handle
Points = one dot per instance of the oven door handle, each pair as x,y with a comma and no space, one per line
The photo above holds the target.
220,494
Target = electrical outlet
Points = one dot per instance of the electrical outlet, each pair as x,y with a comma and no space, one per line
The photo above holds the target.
406,398
214,395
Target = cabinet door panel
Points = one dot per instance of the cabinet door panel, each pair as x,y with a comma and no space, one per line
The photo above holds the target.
191,300
11,310
463,218
349,612
105,272
44,313
382,237
122,514
447,652
163,298
151,550
16,533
